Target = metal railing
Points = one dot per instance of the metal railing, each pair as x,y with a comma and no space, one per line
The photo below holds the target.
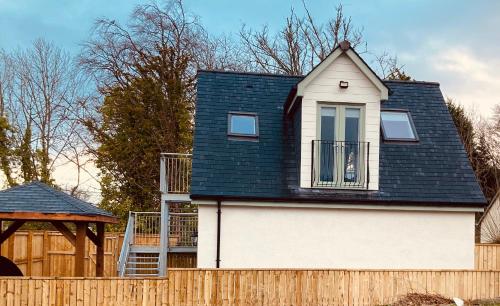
183,225
147,227
128,240
340,164
178,172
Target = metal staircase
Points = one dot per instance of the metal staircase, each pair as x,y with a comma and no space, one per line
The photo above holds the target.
142,262
141,250
151,236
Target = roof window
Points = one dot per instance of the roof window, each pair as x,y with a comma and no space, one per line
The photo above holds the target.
243,124
397,125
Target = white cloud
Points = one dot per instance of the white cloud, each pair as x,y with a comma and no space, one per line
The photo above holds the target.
469,76
66,175
462,61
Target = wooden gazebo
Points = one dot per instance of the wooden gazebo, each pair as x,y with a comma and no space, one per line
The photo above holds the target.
41,203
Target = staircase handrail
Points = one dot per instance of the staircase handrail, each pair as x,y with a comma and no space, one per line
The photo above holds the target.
127,241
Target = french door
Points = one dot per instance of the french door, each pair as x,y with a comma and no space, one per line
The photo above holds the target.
339,145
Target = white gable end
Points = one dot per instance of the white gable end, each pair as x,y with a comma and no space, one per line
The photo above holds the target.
321,88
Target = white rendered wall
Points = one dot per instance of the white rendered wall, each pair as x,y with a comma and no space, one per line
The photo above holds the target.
265,237
325,88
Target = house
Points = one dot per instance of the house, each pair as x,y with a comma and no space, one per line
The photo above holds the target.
334,169
489,224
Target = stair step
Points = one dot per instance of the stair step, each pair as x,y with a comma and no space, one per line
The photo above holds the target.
144,249
144,257
142,270
138,263
141,275
144,254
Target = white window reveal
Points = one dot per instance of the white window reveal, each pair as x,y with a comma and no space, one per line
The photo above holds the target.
243,124
340,154
397,125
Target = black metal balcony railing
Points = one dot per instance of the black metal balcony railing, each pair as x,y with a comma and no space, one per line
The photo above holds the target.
340,164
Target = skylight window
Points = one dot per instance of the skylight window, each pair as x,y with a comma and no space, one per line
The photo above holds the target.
397,125
243,124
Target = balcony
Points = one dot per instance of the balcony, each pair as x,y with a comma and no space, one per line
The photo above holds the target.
175,182
340,164
182,227
175,172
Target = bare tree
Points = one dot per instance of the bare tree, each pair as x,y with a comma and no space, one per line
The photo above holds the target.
490,227
6,79
480,140
300,44
487,162
149,63
39,98
220,53
389,68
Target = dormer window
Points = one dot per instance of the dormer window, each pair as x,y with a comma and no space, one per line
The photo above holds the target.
340,154
397,125
243,124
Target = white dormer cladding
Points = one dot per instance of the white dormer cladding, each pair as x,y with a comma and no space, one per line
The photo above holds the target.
321,87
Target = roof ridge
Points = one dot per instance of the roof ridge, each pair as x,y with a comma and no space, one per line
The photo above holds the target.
60,194
412,82
250,73
14,187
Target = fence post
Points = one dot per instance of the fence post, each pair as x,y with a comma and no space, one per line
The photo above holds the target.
10,252
29,253
1,229
45,262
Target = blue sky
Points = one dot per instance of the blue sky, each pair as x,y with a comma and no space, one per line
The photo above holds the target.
456,43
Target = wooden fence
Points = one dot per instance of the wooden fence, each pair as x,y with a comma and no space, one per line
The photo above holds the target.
49,253
487,257
251,287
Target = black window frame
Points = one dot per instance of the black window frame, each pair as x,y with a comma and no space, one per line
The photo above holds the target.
240,135
410,119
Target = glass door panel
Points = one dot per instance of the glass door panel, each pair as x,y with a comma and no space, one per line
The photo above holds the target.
351,145
327,144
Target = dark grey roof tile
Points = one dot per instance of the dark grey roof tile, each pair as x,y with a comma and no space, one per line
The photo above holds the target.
436,169
38,197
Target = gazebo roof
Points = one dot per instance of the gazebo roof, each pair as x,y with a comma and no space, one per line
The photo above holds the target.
40,202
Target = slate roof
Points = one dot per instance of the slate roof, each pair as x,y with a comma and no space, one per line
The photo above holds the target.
38,197
434,171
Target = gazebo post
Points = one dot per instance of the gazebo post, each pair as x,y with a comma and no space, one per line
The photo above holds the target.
81,228
100,250
1,228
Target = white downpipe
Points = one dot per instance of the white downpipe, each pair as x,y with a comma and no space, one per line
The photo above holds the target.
128,239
